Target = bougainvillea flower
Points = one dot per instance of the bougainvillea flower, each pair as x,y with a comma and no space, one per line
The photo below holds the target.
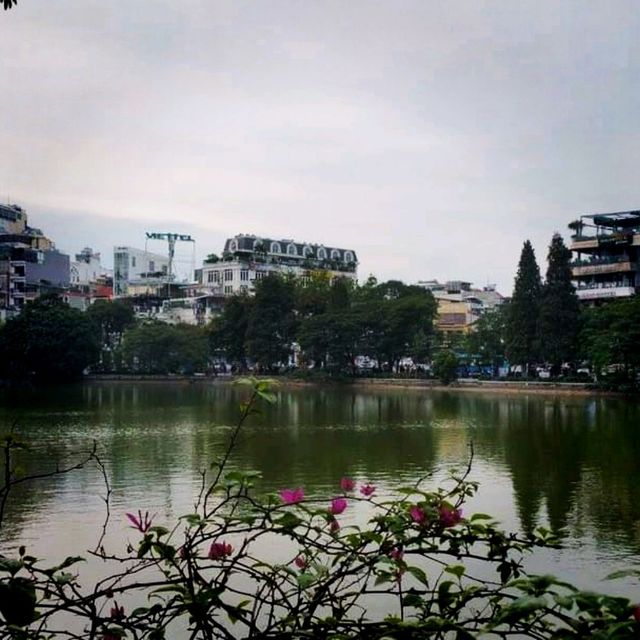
301,561
396,554
449,517
367,489
417,514
220,550
347,484
141,523
117,612
292,496
338,505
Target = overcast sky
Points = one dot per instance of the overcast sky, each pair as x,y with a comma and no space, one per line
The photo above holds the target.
433,137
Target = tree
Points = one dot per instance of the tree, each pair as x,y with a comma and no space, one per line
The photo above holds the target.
228,333
271,326
48,341
487,337
445,366
160,348
522,321
559,308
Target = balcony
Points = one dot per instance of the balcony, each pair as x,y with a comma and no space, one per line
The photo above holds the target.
603,293
603,266
618,238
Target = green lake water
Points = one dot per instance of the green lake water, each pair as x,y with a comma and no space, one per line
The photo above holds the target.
569,463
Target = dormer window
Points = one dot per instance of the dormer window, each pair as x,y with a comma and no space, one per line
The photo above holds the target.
307,251
335,254
291,250
233,246
348,257
275,247
322,253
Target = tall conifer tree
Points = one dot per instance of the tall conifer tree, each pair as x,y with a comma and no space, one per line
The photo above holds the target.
522,320
559,307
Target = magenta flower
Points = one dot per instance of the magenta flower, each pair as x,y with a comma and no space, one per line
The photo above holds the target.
367,490
338,505
292,496
220,550
301,562
417,514
396,554
141,523
449,517
347,484
117,612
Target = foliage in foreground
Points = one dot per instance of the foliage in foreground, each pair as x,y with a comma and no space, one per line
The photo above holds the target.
418,568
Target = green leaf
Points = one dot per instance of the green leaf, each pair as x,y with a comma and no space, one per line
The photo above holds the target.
18,602
456,570
288,520
10,566
419,575
64,578
160,531
305,580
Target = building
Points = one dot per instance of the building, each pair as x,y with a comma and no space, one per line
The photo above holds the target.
30,265
459,304
248,258
89,280
138,272
607,249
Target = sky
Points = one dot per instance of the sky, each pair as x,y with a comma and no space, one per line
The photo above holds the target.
431,137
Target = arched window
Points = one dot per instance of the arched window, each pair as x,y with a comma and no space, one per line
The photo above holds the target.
307,251
275,247
348,257
322,253
257,244
335,254
291,250
233,246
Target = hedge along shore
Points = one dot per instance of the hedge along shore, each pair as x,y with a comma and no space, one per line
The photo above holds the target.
466,385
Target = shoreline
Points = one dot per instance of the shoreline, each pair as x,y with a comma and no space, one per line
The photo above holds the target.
465,385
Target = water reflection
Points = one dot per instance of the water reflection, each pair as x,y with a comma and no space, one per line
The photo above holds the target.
572,463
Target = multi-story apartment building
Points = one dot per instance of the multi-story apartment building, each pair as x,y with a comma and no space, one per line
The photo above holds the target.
138,272
459,304
607,254
30,265
247,258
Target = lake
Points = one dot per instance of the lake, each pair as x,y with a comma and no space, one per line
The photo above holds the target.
571,463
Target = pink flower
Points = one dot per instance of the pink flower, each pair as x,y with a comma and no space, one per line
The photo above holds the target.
219,550
367,490
334,526
141,523
417,514
338,505
301,562
396,554
347,484
449,517
292,496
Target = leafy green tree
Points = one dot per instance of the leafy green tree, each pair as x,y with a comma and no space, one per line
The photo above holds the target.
610,338
228,333
48,341
522,322
160,348
272,323
559,308
445,366
487,337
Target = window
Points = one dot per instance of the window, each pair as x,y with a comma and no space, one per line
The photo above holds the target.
152,266
244,274
275,247
291,250
216,277
244,288
133,261
228,275
260,275
164,269
233,246
348,256
228,289
335,254
322,253
307,251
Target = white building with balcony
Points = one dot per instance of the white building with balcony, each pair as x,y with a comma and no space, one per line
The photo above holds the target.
137,270
247,259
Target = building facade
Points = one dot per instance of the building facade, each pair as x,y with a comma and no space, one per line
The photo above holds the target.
138,272
30,265
607,252
247,259
460,304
